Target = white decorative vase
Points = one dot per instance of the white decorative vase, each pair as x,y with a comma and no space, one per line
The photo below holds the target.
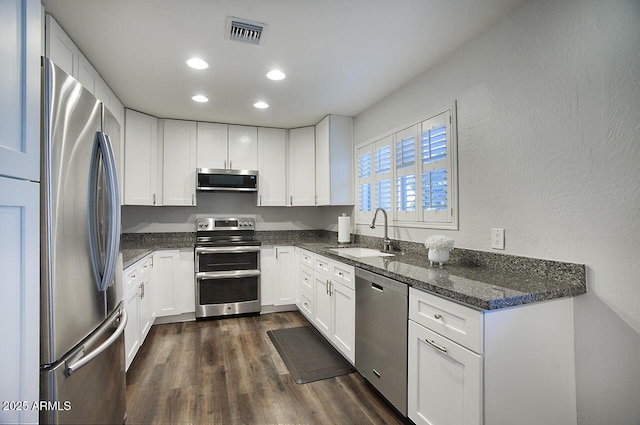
439,256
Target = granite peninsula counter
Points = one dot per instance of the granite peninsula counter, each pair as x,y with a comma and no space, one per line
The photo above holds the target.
481,280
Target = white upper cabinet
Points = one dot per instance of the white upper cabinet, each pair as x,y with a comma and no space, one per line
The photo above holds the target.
226,146
272,166
179,162
243,148
60,48
20,29
334,161
141,163
301,166
212,145
88,76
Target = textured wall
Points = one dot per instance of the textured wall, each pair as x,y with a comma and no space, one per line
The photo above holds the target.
549,149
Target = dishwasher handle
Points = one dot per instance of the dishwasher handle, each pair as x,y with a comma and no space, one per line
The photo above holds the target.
377,287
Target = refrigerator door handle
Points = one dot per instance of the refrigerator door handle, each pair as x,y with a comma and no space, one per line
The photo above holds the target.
73,366
102,150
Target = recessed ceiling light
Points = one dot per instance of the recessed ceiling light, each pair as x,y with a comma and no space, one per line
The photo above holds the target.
261,105
200,98
276,75
197,63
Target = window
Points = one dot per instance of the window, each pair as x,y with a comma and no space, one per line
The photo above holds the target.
418,188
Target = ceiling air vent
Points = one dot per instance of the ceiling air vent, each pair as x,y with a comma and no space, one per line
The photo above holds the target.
246,31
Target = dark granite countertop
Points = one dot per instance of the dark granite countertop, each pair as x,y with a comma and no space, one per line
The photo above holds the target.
478,279
460,280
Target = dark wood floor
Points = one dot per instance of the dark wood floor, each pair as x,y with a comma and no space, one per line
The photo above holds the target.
228,372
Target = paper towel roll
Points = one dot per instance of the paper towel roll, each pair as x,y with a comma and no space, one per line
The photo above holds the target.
344,229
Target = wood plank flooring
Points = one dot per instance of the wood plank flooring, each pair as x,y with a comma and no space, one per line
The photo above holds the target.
228,372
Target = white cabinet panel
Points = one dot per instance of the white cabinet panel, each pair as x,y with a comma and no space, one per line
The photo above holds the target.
179,162
272,166
444,382
19,304
166,297
20,30
212,145
141,164
343,319
277,282
131,331
334,161
185,280
88,76
301,164
322,304
285,284
243,147
60,48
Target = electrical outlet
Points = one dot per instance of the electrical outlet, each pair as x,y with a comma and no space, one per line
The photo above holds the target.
497,238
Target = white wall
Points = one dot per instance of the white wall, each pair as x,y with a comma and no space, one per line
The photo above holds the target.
182,219
549,149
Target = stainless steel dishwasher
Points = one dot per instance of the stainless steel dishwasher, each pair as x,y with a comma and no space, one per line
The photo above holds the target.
381,335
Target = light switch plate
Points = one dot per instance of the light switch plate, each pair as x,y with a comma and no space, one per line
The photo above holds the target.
497,238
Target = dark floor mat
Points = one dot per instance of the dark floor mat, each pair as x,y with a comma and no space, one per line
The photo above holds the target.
307,355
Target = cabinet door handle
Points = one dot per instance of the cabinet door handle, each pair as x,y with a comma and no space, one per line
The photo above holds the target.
230,166
141,290
438,316
291,200
375,372
330,288
193,199
225,164
436,346
260,200
276,249
154,199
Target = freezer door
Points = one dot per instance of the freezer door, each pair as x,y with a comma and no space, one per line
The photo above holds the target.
93,392
79,245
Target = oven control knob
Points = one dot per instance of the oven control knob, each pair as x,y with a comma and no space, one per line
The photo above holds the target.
250,224
245,224
206,225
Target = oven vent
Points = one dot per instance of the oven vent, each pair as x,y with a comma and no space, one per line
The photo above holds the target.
246,31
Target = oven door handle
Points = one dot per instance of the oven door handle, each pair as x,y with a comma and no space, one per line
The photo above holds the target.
226,249
237,274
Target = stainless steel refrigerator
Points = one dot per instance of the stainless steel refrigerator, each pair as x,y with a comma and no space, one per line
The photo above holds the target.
82,360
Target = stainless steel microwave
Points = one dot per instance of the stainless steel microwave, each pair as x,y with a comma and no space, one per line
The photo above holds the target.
214,179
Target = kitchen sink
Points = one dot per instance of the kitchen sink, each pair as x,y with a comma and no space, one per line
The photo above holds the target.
361,252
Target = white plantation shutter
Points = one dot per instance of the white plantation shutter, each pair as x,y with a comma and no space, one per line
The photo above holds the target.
406,156
435,164
413,174
382,155
365,180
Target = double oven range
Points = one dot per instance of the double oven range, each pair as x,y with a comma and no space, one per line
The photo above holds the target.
227,267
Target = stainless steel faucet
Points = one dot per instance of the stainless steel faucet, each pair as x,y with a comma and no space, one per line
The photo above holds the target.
386,241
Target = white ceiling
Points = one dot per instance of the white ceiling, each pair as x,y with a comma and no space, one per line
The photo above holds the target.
340,56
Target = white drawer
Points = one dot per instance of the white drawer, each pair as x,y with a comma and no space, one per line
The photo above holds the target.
306,278
458,323
306,304
136,271
306,258
322,265
344,274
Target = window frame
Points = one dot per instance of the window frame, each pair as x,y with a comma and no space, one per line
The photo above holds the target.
420,218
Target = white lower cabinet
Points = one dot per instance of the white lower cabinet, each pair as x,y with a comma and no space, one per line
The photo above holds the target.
445,380
494,367
333,301
138,300
277,277
174,291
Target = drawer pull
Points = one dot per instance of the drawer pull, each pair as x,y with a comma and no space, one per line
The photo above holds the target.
375,372
438,316
434,345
